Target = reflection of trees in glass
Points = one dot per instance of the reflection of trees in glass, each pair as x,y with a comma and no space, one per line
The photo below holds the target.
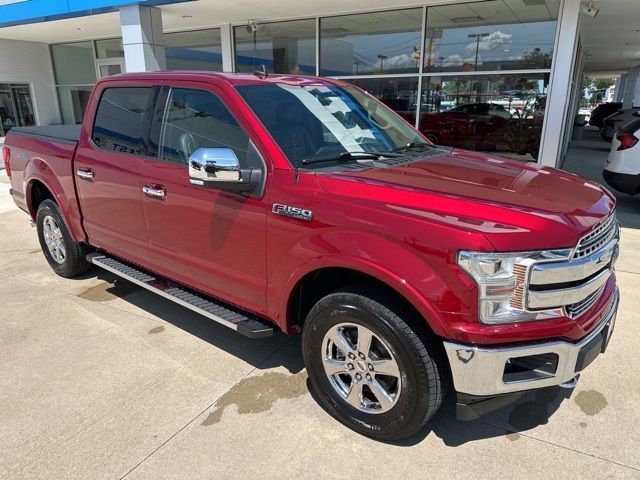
536,58
595,88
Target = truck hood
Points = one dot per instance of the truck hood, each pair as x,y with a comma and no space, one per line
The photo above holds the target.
516,205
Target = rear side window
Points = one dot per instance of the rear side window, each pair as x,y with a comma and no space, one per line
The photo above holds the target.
120,120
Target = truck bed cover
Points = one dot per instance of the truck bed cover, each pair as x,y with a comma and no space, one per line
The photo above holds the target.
55,133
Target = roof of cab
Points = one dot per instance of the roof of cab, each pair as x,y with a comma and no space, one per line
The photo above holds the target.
231,78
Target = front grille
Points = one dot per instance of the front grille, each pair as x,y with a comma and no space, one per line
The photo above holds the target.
576,282
597,238
577,309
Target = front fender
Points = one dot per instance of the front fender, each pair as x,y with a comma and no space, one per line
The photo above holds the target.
391,262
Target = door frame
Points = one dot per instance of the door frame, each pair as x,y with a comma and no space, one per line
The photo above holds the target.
109,61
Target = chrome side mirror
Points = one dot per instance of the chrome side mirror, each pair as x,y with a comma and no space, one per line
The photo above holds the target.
219,168
208,166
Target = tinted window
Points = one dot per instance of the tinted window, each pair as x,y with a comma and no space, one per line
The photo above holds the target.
195,119
119,123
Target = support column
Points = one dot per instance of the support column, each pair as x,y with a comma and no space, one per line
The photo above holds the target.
142,38
620,87
226,34
631,88
559,95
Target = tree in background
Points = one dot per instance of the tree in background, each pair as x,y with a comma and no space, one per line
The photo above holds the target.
594,89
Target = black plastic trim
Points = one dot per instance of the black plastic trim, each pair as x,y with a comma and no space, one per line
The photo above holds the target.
472,407
622,182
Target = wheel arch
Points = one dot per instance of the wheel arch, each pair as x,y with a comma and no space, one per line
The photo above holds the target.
37,189
321,277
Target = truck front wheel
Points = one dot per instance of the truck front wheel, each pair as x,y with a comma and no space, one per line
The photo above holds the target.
369,367
65,256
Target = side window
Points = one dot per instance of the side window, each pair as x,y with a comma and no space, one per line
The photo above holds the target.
120,119
195,119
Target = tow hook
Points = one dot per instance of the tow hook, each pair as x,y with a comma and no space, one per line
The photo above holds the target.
571,383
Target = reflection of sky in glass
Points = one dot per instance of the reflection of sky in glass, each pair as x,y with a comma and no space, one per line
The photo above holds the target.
508,42
505,42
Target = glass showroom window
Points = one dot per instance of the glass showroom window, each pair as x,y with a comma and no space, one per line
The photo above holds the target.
109,48
75,72
282,47
194,50
371,43
16,107
400,94
492,35
499,113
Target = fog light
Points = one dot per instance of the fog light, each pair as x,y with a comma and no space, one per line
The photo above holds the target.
531,367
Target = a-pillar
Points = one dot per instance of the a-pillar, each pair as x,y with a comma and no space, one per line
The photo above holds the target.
142,38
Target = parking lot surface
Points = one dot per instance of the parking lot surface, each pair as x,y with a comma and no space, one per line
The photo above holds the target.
101,379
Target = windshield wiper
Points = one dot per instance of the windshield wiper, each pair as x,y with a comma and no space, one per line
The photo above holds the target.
349,157
413,145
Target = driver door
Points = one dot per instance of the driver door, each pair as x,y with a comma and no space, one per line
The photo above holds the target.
207,238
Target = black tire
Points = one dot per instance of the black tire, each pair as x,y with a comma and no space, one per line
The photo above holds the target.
433,138
75,262
418,358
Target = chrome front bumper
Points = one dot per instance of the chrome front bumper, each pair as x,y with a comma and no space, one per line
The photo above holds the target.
481,371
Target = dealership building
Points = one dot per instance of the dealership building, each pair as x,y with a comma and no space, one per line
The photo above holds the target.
454,68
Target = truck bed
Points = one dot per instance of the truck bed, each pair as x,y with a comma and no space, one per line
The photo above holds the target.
45,155
57,133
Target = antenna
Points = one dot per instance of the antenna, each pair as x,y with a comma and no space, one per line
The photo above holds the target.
262,73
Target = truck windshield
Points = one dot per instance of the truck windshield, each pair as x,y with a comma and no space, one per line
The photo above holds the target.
320,126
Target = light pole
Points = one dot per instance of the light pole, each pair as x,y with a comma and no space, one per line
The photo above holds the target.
477,36
382,59
357,64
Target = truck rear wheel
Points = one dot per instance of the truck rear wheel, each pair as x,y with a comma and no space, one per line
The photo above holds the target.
369,367
65,256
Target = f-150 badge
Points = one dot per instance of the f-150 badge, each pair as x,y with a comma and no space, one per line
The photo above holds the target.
293,212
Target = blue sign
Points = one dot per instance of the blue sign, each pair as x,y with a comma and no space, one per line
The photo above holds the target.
18,12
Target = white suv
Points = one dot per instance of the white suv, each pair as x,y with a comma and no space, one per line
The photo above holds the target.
622,170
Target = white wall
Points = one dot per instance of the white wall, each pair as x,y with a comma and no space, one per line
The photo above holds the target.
30,63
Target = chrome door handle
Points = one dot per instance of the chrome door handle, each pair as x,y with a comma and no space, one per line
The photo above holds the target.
85,173
156,191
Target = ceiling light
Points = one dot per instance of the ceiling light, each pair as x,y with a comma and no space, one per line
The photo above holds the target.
187,17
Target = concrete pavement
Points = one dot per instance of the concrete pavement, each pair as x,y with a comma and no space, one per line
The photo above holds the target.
100,379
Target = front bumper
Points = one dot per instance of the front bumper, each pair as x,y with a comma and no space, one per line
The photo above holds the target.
622,182
491,371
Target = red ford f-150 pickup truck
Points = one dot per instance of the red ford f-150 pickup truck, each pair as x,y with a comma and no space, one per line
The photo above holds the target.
305,204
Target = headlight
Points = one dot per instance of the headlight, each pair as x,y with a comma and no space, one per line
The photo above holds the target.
502,285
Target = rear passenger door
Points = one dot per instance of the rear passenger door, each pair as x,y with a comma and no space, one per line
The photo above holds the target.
108,165
210,239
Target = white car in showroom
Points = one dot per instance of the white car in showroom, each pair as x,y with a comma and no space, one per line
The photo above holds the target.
622,170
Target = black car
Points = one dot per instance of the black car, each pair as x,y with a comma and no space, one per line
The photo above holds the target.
602,111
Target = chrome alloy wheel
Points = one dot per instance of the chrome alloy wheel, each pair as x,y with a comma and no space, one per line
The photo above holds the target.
361,368
53,238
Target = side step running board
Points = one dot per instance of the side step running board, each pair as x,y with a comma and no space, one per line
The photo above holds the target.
206,306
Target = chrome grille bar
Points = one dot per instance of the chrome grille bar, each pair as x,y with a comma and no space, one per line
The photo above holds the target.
576,282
